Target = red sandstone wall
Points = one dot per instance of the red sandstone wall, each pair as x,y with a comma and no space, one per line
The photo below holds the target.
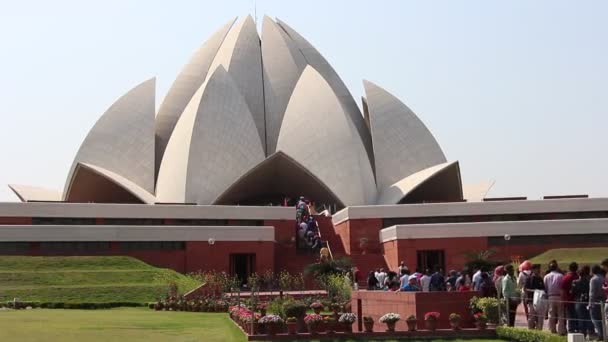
202,256
454,248
378,303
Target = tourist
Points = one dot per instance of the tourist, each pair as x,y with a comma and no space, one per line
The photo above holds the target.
381,276
509,291
451,281
580,293
597,297
533,283
499,273
404,278
391,282
524,273
553,286
372,281
462,286
411,285
568,297
487,287
425,281
402,267
437,280
476,280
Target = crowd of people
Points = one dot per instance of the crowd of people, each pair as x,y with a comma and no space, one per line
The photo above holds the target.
572,301
307,228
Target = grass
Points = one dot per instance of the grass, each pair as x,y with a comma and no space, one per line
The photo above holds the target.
564,256
81,279
123,324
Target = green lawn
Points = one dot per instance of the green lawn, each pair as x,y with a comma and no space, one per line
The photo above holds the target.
84,279
123,324
564,256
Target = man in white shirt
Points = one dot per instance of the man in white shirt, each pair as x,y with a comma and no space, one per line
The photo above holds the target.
425,281
476,280
404,279
381,276
553,287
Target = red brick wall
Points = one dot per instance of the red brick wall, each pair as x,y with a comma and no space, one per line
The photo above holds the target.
365,228
378,303
454,249
343,231
202,256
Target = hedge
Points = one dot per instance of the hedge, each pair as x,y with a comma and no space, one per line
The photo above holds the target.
527,335
63,305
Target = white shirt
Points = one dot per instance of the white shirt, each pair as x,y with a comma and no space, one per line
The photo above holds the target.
425,282
476,280
403,280
381,276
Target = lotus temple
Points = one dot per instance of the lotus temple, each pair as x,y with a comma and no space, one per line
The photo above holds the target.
253,121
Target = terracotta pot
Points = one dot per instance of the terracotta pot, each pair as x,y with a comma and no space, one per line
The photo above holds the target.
431,324
455,324
481,325
312,328
368,325
292,328
390,326
330,327
317,311
348,327
411,325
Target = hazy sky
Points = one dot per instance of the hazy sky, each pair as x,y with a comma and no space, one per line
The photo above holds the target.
517,91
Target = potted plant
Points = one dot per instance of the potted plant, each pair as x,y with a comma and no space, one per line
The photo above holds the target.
455,321
316,307
292,325
481,320
272,323
411,321
390,319
368,324
312,322
347,320
430,319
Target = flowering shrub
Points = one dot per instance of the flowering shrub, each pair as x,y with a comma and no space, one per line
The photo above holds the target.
411,318
316,305
241,314
431,316
455,317
348,318
481,317
262,306
271,319
313,319
389,318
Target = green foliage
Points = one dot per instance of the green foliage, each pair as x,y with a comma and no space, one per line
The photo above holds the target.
481,259
253,281
294,308
335,266
74,280
527,335
490,306
337,287
276,307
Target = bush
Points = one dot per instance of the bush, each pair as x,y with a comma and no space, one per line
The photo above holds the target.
490,306
526,335
276,306
293,308
338,288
